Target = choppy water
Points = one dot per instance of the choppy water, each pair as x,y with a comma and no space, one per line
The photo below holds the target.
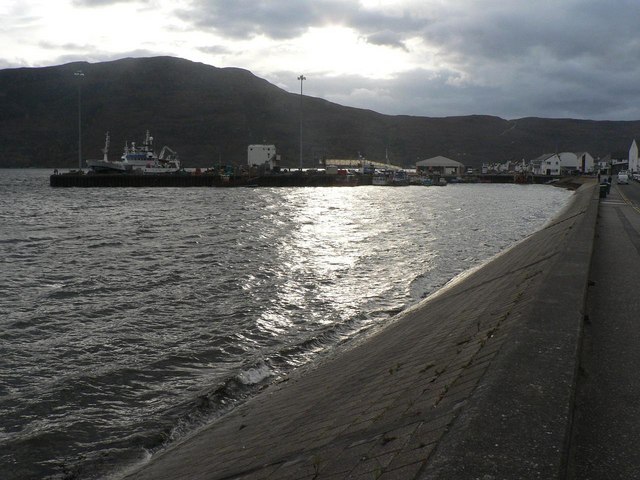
129,316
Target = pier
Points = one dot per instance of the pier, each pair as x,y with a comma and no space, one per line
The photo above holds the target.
188,179
477,381
292,178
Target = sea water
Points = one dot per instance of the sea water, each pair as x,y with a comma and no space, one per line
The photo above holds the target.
130,316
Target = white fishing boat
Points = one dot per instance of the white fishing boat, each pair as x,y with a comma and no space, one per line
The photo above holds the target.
138,158
380,178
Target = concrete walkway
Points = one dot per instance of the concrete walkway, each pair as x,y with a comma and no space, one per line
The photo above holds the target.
476,382
607,421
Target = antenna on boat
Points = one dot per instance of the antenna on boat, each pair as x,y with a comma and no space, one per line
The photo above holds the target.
105,150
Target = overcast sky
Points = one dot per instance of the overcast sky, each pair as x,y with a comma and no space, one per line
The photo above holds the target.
510,58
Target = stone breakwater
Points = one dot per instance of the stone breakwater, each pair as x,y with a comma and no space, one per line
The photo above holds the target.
477,381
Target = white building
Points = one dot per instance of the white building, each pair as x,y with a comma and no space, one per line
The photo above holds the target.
258,155
547,164
586,162
634,164
568,162
571,162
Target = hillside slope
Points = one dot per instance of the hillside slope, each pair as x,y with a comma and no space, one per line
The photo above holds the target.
210,115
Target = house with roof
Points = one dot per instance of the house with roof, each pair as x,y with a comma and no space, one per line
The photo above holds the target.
441,165
581,162
568,163
586,162
546,164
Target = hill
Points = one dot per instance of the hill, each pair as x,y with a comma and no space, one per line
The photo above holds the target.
210,115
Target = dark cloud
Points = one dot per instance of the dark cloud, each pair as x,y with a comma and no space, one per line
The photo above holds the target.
447,93
387,38
284,19
560,30
278,19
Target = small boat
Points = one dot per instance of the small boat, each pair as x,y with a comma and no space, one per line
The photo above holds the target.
136,158
427,182
435,181
380,179
400,178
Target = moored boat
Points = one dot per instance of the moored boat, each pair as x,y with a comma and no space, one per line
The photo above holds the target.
434,181
390,178
380,178
138,158
400,178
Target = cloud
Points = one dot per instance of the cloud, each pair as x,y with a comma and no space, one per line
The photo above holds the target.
240,19
469,32
442,93
215,49
73,47
386,38
284,19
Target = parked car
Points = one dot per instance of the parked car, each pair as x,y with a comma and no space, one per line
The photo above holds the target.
623,178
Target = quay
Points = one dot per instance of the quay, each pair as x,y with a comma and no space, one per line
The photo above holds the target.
188,179
524,368
289,179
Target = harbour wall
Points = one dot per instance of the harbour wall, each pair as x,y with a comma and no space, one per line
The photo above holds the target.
476,381
293,179
90,180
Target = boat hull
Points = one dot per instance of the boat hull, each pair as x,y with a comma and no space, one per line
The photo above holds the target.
102,166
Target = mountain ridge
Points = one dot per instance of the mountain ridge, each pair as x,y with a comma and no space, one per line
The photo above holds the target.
211,114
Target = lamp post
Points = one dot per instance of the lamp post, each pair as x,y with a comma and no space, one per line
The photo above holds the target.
302,78
80,75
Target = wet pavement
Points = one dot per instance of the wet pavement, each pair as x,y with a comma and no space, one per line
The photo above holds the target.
607,414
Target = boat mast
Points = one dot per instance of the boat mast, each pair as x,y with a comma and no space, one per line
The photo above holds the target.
105,150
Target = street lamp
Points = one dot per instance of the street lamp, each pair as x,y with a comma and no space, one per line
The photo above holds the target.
80,75
302,78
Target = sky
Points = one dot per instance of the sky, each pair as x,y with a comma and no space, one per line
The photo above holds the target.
434,58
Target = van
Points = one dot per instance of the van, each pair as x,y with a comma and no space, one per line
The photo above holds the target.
623,178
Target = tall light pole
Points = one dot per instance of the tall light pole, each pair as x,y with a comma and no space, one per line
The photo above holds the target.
302,78
80,75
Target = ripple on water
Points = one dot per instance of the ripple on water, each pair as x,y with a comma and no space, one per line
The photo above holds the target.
135,314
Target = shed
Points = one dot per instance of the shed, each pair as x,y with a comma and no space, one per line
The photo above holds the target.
441,165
